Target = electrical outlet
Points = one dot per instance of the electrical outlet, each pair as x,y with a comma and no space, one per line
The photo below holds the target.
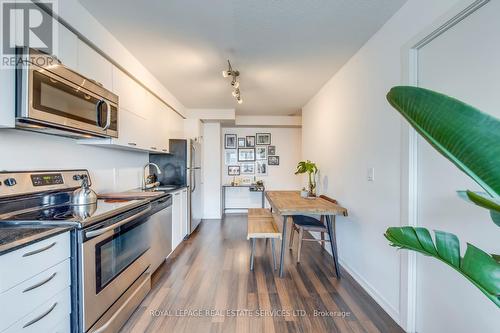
371,174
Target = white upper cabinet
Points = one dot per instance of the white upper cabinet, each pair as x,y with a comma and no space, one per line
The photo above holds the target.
132,95
94,66
132,131
67,49
158,119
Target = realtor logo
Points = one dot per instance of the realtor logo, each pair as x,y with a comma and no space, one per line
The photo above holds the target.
25,23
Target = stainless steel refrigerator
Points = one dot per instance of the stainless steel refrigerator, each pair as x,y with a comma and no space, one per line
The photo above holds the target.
182,167
195,184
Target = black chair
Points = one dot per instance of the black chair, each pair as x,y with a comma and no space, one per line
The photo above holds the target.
303,223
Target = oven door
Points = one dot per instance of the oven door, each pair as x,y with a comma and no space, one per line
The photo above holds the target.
114,257
58,97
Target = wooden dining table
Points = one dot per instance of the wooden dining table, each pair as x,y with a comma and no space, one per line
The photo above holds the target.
290,203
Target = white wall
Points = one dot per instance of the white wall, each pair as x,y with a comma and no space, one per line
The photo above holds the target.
349,127
211,170
110,170
281,177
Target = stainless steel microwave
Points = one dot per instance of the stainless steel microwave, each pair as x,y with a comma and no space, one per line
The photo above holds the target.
54,99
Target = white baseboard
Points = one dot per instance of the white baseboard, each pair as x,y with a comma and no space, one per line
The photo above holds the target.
377,297
391,311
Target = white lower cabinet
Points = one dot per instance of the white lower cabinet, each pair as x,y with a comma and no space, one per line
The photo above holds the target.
179,217
47,316
35,286
184,213
176,219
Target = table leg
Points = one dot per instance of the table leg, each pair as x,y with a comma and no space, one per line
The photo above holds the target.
223,199
283,245
333,243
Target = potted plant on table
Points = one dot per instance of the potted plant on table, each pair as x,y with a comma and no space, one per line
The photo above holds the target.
311,169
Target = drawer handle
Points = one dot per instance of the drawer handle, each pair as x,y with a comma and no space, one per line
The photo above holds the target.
39,284
39,250
40,317
154,148
132,144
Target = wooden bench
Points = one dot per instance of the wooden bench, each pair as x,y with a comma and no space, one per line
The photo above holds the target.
261,225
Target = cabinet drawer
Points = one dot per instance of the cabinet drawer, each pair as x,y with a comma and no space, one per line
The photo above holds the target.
45,317
20,265
29,295
64,326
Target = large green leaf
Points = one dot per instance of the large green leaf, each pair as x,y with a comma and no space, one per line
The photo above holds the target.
466,136
482,269
485,201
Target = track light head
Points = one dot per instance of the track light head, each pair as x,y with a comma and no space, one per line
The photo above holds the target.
234,82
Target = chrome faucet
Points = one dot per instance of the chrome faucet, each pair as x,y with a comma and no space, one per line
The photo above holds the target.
147,184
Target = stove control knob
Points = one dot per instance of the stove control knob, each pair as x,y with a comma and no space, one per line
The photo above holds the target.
10,182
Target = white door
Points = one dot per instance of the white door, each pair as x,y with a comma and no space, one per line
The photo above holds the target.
463,62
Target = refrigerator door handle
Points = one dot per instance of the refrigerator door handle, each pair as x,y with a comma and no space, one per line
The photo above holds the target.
191,172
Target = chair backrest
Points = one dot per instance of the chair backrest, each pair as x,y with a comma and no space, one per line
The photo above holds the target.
328,199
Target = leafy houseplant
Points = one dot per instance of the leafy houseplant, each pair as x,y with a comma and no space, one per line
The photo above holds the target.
311,169
470,139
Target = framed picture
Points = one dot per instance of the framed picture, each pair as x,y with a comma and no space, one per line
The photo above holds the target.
271,150
273,160
230,141
263,138
233,170
261,167
231,157
261,153
246,155
241,142
247,168
250,141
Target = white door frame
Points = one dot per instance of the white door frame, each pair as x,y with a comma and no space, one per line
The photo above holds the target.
409,155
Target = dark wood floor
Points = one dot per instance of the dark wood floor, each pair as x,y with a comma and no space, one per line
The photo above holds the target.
211,273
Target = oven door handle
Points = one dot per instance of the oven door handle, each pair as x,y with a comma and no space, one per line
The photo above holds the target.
98,232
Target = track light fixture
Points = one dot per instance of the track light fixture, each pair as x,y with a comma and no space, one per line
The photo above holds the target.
234,81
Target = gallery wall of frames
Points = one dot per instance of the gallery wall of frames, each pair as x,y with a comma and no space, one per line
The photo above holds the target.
267,154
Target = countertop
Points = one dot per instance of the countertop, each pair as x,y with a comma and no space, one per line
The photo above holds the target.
15,237
174,189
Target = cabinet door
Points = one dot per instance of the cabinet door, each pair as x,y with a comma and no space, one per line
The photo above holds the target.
184,213
67,50
176,220
131,95
94,66
158,119
132,130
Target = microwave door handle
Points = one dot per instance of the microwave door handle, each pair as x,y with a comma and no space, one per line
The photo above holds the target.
108,118
108,113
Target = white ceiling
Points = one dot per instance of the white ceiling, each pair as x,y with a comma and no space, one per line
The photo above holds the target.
285,50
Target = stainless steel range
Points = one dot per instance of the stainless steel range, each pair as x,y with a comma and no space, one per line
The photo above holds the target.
111,243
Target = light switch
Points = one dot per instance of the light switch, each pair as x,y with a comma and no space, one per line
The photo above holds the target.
371,174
